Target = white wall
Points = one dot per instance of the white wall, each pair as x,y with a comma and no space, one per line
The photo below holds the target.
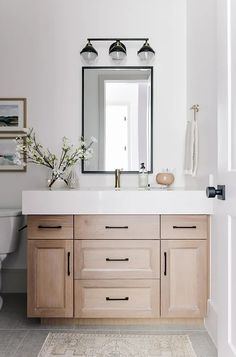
202,90
202,83
40,45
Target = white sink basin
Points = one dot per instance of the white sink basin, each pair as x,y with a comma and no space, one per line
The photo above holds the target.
111,201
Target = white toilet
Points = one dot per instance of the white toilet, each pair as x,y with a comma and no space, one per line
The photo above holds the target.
11,220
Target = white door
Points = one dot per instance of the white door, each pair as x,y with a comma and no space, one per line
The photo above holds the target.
224,220
116,137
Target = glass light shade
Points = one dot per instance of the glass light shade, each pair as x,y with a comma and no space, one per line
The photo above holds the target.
146,52
89,56
117,55
117,51
89,53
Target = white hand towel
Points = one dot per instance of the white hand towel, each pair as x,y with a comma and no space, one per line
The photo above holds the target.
191,148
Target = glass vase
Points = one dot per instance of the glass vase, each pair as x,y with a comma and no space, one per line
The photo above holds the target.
57,182
73,180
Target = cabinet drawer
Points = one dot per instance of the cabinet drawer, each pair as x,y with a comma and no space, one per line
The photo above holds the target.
117,259
117,227
50,227
184,226
117,298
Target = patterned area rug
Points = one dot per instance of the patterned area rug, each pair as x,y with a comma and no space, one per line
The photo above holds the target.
116,345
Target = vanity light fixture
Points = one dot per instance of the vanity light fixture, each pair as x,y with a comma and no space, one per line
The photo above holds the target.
117,49
89,53
146,52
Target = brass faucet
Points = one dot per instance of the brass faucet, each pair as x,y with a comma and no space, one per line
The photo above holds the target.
117,178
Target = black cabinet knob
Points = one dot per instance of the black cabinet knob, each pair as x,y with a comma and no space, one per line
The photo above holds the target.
212,192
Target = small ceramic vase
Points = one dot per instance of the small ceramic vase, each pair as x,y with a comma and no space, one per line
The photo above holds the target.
165,178
73,179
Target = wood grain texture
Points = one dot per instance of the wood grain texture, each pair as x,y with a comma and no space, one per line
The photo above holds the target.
135,239
118,227
91,298
99,259
184,287
59,227
184,226
50,288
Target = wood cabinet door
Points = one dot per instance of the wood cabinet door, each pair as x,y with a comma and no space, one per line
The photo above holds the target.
50,278
183,278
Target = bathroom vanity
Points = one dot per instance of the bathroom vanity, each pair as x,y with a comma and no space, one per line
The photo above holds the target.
117,259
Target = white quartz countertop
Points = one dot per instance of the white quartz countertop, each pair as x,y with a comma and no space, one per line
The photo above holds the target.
111,201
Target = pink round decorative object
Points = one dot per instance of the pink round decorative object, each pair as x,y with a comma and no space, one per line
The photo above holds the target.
165,178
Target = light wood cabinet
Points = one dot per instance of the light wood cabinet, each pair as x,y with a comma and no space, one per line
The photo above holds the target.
184,273
50,266
177,226
50,278
117,259
117,266
50,227
183,278
117,227
117,298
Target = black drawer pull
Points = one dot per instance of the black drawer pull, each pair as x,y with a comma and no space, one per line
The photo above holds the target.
68,263
184,227
165,263
117,260
117,299
116,227
49,227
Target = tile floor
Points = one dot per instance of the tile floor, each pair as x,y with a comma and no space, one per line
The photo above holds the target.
22,337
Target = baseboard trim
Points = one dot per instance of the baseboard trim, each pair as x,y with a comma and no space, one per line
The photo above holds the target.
14,281
195,323
211,321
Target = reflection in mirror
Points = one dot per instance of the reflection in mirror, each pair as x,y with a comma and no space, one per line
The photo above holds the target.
117,110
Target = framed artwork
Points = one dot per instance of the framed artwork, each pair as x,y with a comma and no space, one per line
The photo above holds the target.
12,114
8,158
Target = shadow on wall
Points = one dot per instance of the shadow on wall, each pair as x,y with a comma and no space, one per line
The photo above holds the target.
14,273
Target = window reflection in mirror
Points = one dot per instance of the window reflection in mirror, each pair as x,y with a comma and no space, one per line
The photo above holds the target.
117,110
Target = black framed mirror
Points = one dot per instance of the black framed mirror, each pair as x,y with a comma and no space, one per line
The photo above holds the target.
117,109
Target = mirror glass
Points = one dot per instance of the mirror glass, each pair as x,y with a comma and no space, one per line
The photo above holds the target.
117,111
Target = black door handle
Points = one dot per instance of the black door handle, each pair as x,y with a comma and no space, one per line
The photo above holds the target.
165,263
68,263
212,192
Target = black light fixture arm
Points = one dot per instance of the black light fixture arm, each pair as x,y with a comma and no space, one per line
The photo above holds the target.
118,38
